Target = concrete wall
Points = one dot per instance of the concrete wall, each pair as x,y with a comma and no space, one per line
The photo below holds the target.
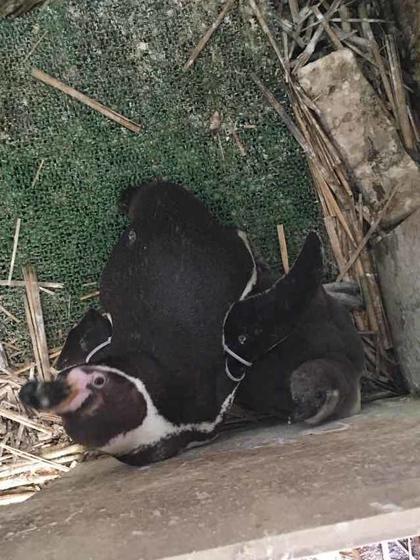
398,262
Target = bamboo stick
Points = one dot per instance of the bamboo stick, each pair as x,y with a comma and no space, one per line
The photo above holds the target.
109,113
22,284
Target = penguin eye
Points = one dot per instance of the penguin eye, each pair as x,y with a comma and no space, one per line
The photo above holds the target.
99,380
242,339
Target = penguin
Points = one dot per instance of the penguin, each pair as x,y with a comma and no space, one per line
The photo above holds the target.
305,359
90,337
255,325
163,381
162,384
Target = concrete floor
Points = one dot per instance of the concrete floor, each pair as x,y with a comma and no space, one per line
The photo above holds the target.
256,494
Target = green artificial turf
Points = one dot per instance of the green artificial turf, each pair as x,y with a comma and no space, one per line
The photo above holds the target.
128,54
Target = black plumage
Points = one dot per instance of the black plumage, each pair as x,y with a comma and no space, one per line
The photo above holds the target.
313,371
167,286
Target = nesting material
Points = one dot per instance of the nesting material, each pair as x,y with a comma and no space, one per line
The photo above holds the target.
363,131
207,36
33,446
283,248
92,103
35,319
315,92
15,246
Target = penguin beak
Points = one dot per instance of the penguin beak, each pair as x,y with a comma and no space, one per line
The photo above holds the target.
65,394
45,395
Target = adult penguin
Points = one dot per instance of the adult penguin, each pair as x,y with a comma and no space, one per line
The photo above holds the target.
305,366
162,383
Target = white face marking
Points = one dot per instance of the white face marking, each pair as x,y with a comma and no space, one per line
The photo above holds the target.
97,348
78,380
155,427
250,284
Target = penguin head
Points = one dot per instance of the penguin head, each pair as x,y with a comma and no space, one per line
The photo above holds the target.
96,402
258,323
90,336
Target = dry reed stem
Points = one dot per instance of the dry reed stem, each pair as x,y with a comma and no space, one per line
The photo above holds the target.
294,9
35,321
400,97
14,250
9,314
92,103
283,248
369,234
25,467
330,226
16,482
33,49
15,498
22,284
265,28
344,17
91,295
327,28
206,37
293,129
24,421
38,173
34,458
238,142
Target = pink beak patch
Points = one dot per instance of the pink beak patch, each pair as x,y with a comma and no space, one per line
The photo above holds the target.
78,382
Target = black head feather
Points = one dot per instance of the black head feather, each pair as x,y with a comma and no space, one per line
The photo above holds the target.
92,330
256,324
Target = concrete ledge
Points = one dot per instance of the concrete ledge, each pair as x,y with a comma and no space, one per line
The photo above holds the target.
299,544
255,494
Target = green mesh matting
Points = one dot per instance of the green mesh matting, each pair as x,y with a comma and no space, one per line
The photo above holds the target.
129,55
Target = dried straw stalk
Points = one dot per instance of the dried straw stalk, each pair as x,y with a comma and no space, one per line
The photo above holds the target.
344,217
35,320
